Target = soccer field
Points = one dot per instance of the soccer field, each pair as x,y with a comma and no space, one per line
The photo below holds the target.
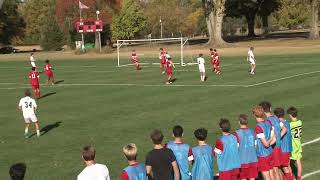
100,104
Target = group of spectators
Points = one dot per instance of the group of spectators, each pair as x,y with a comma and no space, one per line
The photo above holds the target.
243,154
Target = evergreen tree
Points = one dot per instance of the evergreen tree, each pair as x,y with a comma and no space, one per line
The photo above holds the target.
52,36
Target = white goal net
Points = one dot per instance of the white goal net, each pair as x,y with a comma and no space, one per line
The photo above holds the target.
148,50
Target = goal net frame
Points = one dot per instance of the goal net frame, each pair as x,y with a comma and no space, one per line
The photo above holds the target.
182,40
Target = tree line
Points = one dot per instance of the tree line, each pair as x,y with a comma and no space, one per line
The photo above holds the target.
26,23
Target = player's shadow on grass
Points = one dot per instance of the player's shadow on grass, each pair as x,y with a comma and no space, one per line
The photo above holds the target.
58,82
173,80
47,94
47,128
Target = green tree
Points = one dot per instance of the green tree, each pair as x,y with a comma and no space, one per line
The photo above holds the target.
52,37
291,14
129,22
250,9
11,23
265,10
35,13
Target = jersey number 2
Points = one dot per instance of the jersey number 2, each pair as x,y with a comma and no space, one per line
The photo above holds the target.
298,132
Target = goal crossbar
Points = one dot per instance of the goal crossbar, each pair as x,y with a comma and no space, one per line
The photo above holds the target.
182,40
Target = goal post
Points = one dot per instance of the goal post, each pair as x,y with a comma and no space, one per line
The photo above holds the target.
148,50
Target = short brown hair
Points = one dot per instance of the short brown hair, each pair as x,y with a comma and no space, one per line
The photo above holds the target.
266,106
279,112
88,153
258,111
156,136
201,134
292,111
27,92
243,119
130,151
225,125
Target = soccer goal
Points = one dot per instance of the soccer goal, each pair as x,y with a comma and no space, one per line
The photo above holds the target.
148,50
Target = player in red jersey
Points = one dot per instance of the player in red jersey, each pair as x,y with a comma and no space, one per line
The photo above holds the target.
34,81
216,63
212,55
169,66
48,72
134,59
162,57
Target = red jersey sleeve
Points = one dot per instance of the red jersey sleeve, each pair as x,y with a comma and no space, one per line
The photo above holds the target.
258,130
236,135
218,149
124,175
190,152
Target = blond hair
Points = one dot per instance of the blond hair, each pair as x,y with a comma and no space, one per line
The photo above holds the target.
258,111
130,151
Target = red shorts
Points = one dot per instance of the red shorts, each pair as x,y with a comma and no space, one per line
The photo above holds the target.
285,159
229,175
163,62
35,86
49,74
212,62
276,157
265,163
250,172
169,72
216,64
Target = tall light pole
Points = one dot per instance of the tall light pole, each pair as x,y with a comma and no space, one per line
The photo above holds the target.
161,28
99,35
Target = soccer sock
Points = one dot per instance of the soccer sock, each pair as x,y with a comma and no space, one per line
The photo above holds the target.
38,132
298,177
26,130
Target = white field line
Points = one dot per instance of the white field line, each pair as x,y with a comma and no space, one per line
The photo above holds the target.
310,142
310,174
156,85
174,85
283,78
314,172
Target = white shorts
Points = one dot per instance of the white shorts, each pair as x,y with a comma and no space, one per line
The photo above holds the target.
29,119
33,64
202,69
252,61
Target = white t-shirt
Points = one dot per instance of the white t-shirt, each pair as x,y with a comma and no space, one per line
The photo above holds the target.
250,56
28,106
200,61
94,172
32,59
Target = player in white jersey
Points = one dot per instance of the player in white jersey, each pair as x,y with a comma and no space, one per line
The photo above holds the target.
93,171
202,69
28,106
32,60
252,60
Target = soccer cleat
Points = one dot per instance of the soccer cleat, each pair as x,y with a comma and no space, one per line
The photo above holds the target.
26,135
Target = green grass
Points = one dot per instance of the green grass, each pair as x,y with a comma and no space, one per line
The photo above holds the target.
108,115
